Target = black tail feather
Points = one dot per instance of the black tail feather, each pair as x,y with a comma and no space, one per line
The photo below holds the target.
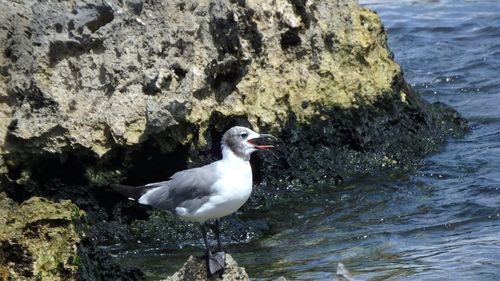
132,192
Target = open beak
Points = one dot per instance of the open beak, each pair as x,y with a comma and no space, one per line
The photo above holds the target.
262,141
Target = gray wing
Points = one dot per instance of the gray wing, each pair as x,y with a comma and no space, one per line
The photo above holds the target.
189,189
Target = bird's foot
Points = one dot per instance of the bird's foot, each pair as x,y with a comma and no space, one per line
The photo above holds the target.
216,263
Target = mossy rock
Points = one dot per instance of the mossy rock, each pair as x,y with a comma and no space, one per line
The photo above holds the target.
38,239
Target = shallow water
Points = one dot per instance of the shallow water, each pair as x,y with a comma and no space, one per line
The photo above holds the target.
440,223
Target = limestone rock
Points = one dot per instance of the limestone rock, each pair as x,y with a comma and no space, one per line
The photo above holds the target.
195,269
95,76
38,240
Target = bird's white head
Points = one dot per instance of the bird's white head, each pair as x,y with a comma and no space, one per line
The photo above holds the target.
242,142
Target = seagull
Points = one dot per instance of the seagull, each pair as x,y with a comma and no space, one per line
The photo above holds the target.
209,192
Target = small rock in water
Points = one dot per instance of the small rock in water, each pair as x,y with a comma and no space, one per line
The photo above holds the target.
343,274
196,269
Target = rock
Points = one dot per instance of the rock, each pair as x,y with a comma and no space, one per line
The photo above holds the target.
38,240
343,274
90,78
195,269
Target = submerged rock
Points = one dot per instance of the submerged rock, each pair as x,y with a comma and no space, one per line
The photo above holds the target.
196,269
38,240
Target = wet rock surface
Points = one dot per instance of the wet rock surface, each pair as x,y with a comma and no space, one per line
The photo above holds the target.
95,92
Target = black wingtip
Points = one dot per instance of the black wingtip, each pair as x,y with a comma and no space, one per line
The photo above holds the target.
132,192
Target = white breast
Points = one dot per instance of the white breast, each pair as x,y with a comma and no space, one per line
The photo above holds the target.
232,190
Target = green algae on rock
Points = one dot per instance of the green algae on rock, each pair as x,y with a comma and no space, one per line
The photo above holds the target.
38,239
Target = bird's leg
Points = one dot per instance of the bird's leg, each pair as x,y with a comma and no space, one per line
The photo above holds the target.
217,235
203,230
219,257
215,263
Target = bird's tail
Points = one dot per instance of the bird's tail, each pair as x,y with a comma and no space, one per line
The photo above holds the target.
131,192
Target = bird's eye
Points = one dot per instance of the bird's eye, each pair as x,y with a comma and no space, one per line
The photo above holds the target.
244,135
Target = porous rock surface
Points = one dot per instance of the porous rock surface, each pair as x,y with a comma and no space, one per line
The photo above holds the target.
97,75
196,269
38,239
